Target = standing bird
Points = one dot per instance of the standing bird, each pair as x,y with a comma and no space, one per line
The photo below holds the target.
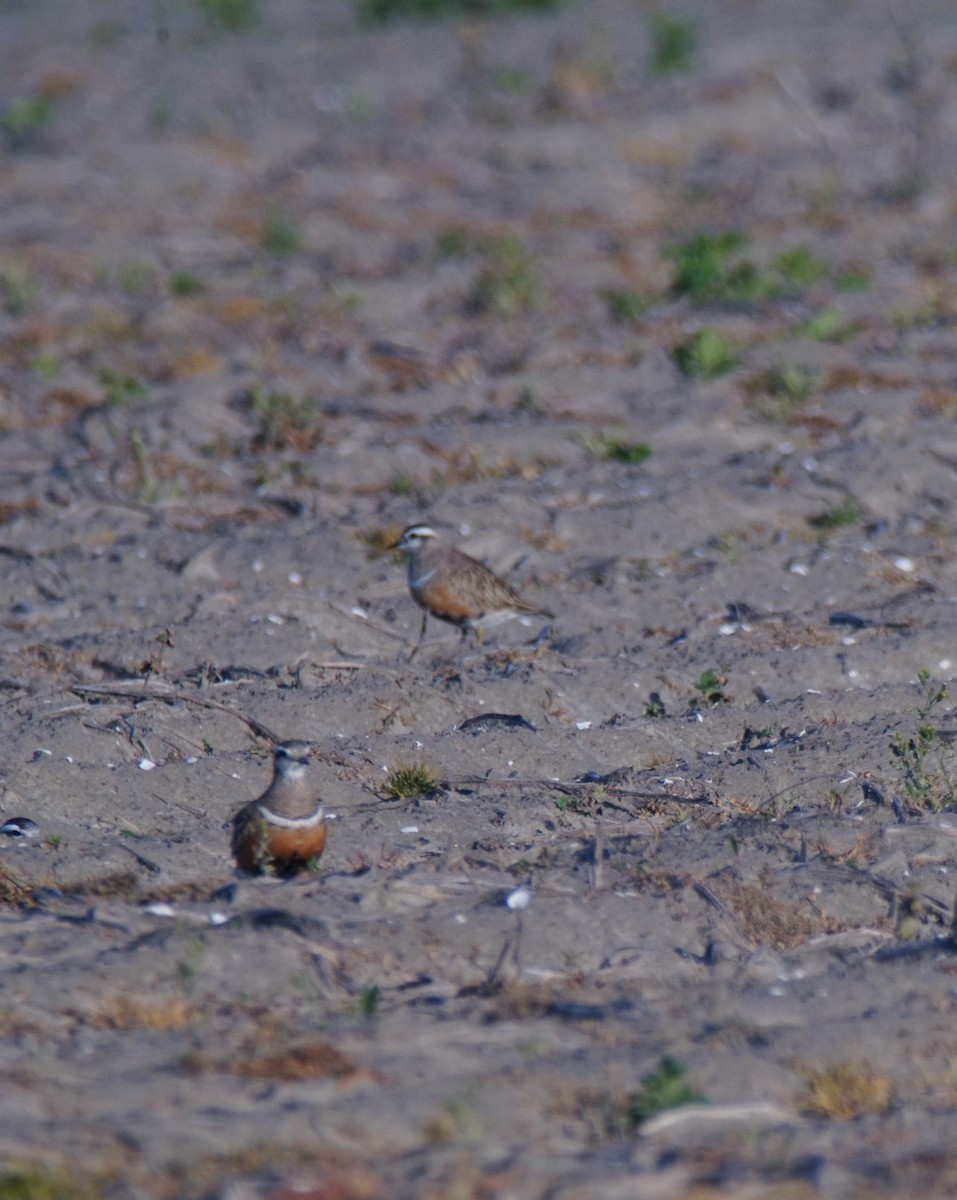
457,588
283,831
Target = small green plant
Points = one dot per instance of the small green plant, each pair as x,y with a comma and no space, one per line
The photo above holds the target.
705,355
452,243
799,266
369,1000
848,512
409,780
234,15
278,235
674,43
711,686
922,759
624,304
853,279
507,285
184,283
122,390
665,1087
827,325
17,290
701,266
775,392
22,120
45,366
616,449
37,1183
285,423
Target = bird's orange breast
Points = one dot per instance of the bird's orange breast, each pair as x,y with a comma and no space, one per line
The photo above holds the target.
259,845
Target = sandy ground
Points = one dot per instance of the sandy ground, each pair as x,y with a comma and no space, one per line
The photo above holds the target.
268,295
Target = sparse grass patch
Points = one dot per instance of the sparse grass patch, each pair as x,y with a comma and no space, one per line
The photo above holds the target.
39,1183
924,760
279,235
616,449
122,390
711,686
453,242
774,393
846,1090
665,1087
17,289
711,268
674,44
184,283
408,781
507,284
827,325
23,120
234,15
284,423
624,304
380,539
138,1012
848,512
705,355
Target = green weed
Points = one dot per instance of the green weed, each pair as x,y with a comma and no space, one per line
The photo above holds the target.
705,355
234,15
664,1088
409,780
285,423
827,325
279,235
624,304
711,686
674,44
775,392
22,120
922,759
507,285
848,512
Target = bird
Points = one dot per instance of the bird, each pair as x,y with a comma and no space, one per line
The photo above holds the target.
454,587
283,832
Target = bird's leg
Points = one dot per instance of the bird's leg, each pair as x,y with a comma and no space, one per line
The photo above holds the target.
425,617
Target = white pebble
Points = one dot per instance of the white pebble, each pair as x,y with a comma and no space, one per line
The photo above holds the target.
146,764
518,899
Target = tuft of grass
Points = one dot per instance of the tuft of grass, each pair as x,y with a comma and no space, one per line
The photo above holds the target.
278,235
799,266
848,512
133,1012
701,269
507,284
616,449
184,283
711,686
674,44
922,759
285,423
17,289
705,355
453,242
774,393
234,15
373,11
624,304
122,390
846,1090
665,1087
409,780
23,120
37,1183
827,325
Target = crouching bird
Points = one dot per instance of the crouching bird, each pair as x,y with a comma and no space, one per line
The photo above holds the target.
283,832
